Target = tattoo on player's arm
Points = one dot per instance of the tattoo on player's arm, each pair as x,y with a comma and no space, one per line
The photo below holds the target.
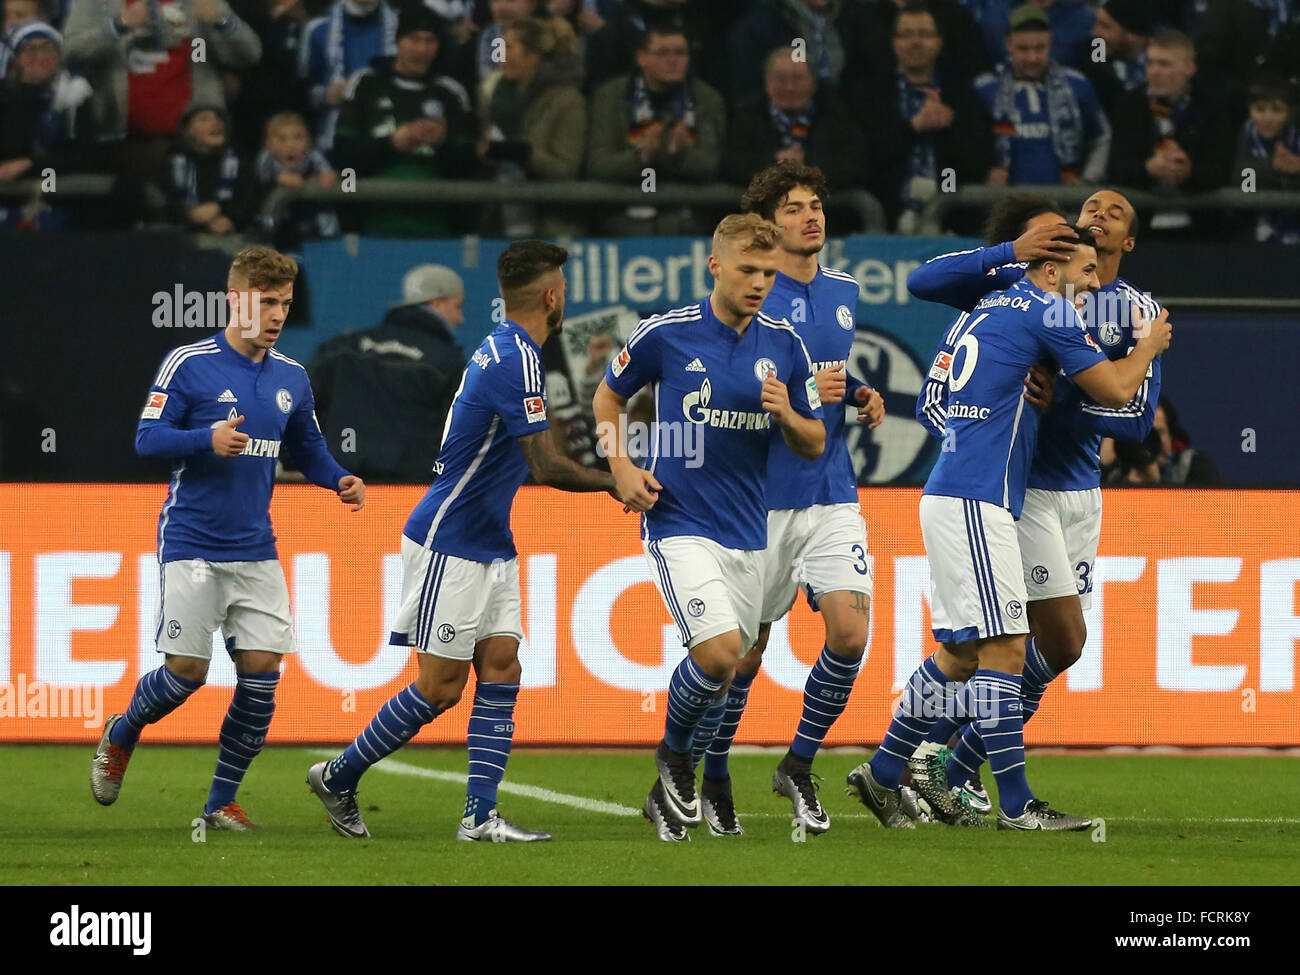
552,468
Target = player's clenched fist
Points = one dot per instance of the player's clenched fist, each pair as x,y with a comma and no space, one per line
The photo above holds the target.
352,490
1157,332
871,406
637,488
831,384
227,441
776,398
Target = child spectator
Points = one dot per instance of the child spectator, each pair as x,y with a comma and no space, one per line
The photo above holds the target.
208,187
289,159
1270,146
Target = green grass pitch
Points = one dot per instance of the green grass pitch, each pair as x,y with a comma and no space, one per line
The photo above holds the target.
1168,820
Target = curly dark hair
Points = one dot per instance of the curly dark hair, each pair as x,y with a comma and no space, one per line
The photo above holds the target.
772,185
1009,215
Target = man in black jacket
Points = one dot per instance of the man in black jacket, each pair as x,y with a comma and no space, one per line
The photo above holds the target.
399,120
1178,140
924,124
794,118
382,394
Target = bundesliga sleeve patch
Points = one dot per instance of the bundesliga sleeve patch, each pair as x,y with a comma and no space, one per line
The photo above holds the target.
534,409
620,362
814,400
942,363
153,407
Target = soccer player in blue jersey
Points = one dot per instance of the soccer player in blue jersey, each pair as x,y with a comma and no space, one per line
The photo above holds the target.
968,511
1060,526
735,373
222,408
460,585
816,538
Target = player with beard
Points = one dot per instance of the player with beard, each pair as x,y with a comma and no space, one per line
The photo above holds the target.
971,502
1060,526
460,580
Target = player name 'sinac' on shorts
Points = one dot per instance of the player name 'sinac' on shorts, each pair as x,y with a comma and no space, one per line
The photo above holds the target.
1059,532
977,589
449,604
821,549
247,601
707,588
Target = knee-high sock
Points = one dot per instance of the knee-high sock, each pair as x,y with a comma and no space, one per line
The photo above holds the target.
690,693
825,695
396,723
491,732
999,724
157,694
707,728
716,760
923,701
243,734
968,756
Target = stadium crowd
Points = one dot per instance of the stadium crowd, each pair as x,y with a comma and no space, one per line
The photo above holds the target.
200,107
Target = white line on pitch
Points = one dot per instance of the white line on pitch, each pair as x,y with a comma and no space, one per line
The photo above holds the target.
528,791
615,809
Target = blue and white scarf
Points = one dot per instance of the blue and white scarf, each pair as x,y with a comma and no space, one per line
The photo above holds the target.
1064,116
921,159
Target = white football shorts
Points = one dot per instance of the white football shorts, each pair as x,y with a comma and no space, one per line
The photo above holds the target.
247,601
977,589
821,549
449,604
1059,532
708,589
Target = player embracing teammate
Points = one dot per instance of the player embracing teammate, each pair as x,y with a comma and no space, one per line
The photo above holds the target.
969,508
1060,526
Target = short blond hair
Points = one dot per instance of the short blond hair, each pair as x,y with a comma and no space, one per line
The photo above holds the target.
261,268
747,230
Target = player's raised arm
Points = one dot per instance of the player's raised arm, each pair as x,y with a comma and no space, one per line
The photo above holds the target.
1022,228
636,487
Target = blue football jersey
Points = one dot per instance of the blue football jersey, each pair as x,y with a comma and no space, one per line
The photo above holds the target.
990,429
1068,457
707,383
822,313
480,466
218,508
1068,454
